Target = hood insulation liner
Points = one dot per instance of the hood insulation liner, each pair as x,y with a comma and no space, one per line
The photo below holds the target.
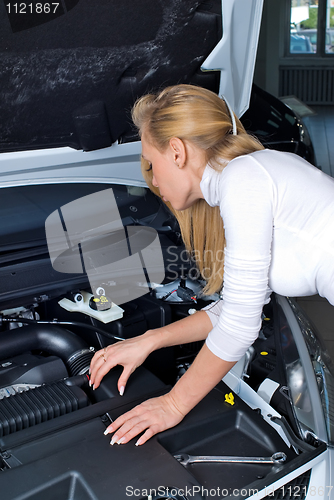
69,77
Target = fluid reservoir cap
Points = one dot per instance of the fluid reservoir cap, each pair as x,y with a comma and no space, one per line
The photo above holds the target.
100,303
78,297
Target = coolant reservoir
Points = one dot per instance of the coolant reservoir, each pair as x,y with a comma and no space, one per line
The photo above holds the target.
84,302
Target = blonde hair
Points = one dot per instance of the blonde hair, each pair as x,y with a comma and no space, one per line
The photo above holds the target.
199,116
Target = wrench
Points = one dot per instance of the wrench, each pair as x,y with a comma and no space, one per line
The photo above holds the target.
185,459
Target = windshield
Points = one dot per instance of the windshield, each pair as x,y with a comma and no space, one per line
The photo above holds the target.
23,245
24,209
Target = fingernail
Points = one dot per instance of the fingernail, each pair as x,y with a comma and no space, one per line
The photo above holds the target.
90,383
93,387
120,441
107,431
137,443
113,440
121,391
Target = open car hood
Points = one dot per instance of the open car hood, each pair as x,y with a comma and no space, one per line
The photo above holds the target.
71,72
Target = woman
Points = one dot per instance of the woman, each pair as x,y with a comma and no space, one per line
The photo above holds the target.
271,213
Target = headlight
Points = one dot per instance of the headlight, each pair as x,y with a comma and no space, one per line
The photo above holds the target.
323,371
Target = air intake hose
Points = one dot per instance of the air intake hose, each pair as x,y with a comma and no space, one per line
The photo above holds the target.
51,339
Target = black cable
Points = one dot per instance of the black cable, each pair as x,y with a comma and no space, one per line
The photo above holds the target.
56,322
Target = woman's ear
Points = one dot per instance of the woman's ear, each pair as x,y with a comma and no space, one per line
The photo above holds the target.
178,151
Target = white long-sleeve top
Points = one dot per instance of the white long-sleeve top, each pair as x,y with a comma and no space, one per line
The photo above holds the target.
278,216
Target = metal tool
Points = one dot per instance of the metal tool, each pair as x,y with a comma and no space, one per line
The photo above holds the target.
185,459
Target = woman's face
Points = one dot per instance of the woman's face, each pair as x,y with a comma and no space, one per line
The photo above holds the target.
174,174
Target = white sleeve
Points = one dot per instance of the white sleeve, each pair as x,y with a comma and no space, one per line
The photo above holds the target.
247,199
214,310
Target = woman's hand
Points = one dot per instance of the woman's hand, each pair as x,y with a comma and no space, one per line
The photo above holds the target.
158,414
129,353
152,416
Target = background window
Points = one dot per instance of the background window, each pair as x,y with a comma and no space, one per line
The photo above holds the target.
312,27
329,40
303,26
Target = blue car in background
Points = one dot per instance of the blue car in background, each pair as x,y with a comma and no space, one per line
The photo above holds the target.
300,44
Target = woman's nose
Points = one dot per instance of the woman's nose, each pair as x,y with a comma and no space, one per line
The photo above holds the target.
154,182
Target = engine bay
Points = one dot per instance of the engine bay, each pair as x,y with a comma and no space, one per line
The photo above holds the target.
52,420
44,346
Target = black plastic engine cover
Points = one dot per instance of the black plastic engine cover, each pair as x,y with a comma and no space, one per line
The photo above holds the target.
74,458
